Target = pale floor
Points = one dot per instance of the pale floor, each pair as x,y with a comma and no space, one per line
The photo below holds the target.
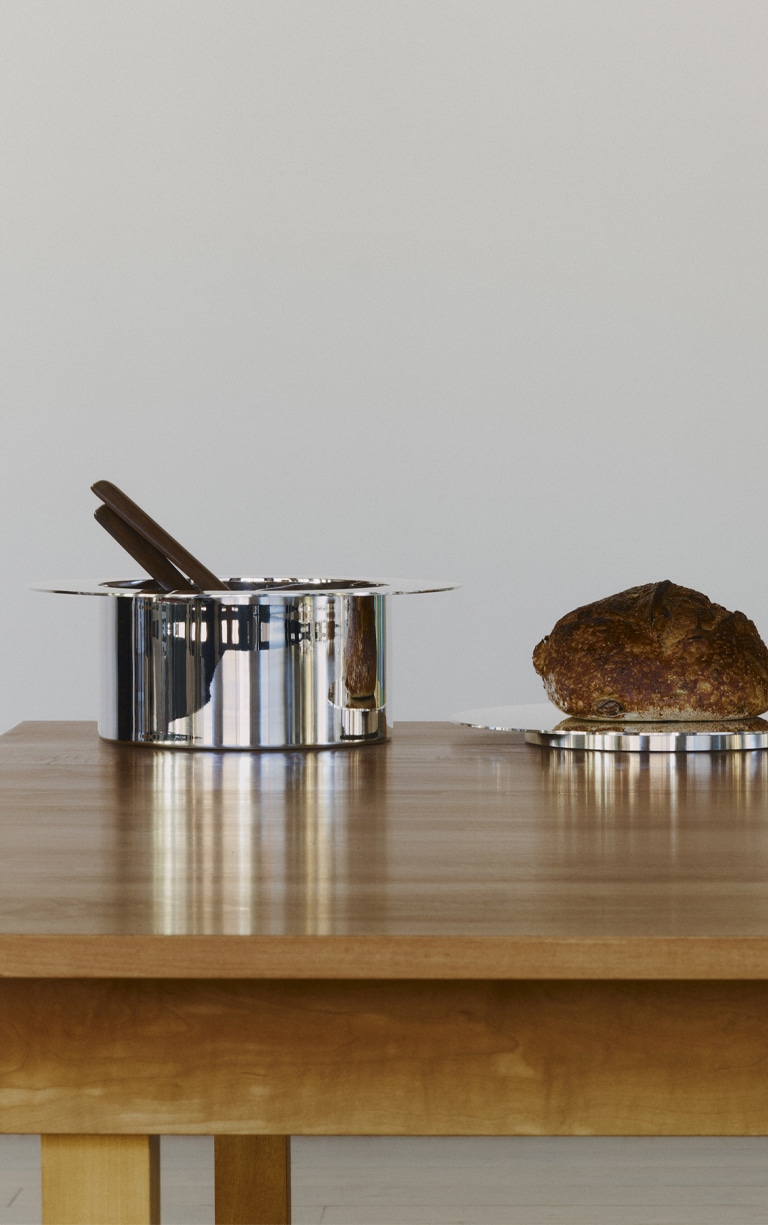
518,1181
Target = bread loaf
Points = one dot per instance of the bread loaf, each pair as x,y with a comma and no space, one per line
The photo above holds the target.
655,652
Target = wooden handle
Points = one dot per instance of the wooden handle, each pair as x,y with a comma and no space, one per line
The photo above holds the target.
361,649
157,536
150,558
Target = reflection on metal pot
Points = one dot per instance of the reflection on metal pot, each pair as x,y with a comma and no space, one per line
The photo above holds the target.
251,670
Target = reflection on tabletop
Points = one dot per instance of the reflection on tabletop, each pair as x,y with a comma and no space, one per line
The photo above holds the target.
231,833
442,831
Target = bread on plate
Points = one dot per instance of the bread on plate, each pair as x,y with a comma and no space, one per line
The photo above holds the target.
658,652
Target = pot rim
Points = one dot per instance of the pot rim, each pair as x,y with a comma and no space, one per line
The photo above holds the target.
249,587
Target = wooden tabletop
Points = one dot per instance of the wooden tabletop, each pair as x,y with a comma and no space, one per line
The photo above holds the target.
447,853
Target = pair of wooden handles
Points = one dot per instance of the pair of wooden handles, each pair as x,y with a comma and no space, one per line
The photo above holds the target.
176,569
169,563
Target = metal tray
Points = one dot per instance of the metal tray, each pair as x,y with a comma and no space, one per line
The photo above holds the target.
546,725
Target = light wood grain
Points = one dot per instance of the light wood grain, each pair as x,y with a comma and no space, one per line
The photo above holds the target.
448,852
252,1180
384,1058
455,933
390,957
100,1180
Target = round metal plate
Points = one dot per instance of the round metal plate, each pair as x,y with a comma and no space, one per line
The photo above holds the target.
546,725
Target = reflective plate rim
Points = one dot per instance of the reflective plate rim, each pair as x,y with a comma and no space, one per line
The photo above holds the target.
539,723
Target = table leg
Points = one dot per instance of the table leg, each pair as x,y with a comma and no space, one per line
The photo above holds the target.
253,1180
101,1180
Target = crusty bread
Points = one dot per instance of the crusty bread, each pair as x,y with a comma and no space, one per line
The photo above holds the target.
656,652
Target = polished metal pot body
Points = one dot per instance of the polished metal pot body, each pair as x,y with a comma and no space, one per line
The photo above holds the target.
244,669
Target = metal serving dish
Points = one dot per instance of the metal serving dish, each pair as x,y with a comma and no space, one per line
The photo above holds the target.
269,664
544,724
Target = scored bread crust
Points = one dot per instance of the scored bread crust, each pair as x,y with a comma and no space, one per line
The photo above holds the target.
655,652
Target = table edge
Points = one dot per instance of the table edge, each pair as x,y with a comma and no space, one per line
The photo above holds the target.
444,957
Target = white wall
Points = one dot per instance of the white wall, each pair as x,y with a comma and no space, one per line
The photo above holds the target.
465,289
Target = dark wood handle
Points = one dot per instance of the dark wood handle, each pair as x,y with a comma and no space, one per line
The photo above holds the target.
150,558
157,536
361,648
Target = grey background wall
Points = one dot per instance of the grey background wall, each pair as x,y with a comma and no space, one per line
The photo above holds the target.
465,289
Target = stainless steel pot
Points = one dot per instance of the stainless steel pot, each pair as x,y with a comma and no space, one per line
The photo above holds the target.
271,663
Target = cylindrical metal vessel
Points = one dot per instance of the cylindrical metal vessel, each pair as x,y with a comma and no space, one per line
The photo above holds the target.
269,664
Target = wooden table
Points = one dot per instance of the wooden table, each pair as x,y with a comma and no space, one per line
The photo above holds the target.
454,933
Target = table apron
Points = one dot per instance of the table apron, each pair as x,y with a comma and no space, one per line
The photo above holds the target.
383,1057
